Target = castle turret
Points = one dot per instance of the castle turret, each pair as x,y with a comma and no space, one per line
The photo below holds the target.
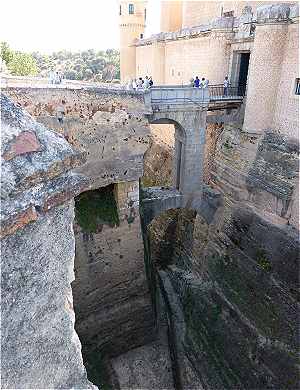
170,15
132,16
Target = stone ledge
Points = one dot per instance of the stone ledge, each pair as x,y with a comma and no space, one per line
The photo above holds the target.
29,205
273,13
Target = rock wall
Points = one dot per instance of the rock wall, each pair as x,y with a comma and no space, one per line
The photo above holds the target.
40,348
230,282
159,157
110,288
108,124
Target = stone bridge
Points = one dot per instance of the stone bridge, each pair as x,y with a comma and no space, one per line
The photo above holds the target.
187,109
110,123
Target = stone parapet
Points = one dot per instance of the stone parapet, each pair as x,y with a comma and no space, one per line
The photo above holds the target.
274,13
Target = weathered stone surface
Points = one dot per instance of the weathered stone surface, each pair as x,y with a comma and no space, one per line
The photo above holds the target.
108,124
40,348
231,279
273,13
258,169
26,170
237,299
34,169
110,289
25,142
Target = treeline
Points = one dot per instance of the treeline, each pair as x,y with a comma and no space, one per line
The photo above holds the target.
87,65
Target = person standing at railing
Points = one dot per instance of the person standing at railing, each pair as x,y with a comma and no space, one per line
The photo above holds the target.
140,83
196,82
226,86
150,81
146,84
203,83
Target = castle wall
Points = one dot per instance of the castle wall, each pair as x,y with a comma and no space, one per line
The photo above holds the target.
264,76
151,62
286,116
131,27
196,13
170,16
206,56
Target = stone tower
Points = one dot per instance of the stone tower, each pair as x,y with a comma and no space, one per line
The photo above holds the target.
132,16
170,16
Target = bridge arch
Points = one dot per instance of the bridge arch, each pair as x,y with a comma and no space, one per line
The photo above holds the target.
179,149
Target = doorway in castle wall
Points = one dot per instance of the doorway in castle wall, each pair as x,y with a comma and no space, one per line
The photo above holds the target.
240,68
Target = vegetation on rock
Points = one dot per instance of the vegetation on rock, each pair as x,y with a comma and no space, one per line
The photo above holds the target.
95,208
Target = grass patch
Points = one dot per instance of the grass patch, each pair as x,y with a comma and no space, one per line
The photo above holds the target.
96,208
262,260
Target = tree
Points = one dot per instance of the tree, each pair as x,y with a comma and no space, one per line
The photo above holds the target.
6,52
23,64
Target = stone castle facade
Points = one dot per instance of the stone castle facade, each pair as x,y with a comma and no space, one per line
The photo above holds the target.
254,43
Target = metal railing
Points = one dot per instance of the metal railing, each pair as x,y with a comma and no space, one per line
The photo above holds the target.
178,95
232,92
185,94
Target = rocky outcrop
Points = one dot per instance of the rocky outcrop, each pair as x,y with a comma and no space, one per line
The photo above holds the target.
40,348
230,280
110,289
108,124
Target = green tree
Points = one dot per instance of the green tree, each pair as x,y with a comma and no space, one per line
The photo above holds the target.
6,52
23,64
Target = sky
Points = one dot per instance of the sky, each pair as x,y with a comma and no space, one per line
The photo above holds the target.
52,25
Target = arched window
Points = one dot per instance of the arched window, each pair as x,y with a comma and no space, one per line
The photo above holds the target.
120,12
131,9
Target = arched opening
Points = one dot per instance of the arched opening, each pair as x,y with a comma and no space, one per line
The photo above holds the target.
164,160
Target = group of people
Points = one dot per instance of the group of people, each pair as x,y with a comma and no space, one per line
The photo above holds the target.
197,83
55,77
203,83
140,83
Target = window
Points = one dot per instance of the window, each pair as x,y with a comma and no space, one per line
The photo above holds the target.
172,72
145,14
131,9
297,86
120,12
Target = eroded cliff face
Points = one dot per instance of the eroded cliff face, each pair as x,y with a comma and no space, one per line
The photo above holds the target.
40,348
112,300
230,282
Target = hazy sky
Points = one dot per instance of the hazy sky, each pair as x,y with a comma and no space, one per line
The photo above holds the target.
50,25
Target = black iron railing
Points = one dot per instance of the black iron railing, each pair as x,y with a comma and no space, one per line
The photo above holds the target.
218,91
